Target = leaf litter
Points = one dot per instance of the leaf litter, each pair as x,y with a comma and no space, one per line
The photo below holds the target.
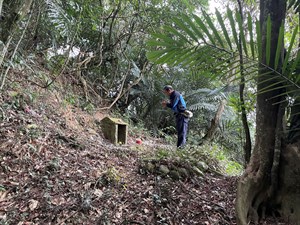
53,173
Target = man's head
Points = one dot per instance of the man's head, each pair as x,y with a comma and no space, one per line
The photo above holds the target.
168,89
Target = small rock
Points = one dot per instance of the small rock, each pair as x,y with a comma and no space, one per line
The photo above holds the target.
174,175
183,172
150,167
198,171
202,166
164,169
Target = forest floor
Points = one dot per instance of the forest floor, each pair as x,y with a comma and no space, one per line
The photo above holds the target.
56,168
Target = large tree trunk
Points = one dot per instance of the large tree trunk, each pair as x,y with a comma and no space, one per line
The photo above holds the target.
255,188
12,11
288,197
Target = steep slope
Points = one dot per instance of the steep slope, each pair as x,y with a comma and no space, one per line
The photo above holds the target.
56,168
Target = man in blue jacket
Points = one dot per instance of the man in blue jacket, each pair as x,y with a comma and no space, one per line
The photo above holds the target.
178,106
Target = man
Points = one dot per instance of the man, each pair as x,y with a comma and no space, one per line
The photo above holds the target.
178,106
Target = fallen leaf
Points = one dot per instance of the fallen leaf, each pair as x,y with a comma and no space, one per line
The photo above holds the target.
58,201
3,195
87,185
98,193
3,217
33,204
119,215
146,210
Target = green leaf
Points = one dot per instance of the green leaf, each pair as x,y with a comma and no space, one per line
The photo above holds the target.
154,55
205,30
259,40
242,35
221,22
250,29
267,88
233,29
157,43
213,28
192,25
274,89
185,28
166,58
268,44
279,46
176,33
286,59
163,37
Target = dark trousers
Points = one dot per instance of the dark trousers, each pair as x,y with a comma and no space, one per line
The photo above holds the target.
181,127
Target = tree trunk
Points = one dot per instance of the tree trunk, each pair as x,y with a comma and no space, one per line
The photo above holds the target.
214,123
253,196
1,3
12,11
288,196
247,145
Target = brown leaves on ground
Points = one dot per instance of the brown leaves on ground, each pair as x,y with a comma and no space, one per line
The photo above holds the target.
52,173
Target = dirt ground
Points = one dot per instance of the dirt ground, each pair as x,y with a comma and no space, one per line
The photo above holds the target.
56,168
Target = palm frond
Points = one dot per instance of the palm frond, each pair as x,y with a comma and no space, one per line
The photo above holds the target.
203,106
197,43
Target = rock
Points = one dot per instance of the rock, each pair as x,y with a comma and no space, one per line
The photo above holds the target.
150,167
164,169
183,172
198,171
202,166
174,175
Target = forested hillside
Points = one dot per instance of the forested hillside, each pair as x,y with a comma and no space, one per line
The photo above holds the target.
66,65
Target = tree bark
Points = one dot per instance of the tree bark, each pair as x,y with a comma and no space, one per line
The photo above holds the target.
214,123
12,11
253,197
247,145
294,130
1,3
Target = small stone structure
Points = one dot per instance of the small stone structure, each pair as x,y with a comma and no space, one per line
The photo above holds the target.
115,130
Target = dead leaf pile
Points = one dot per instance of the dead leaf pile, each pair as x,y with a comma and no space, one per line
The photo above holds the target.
52,174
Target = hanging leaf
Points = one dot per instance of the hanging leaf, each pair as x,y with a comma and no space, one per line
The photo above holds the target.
185,28
286,59
250,29
242,35
213,28
279,46
233,29
204,28
259,40
224,30
268,43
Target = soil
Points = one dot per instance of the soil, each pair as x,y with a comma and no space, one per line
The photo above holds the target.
56,168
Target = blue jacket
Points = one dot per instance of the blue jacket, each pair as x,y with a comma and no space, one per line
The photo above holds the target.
177,103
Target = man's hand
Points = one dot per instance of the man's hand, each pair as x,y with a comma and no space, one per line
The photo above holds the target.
164,103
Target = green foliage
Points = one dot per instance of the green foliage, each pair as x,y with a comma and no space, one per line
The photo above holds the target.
184,47
111,176
2,188
213,158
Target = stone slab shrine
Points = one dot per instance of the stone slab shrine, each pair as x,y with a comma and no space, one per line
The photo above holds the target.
115,130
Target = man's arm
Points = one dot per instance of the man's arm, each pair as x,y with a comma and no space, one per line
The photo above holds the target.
173,103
